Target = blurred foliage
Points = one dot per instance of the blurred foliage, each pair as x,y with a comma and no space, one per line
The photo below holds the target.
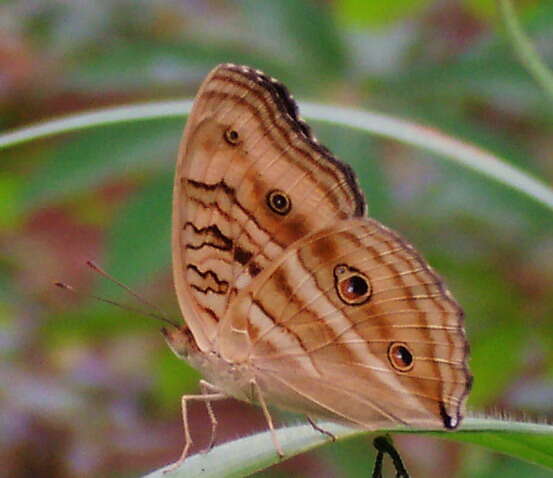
92,391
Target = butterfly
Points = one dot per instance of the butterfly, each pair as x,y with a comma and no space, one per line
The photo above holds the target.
291,294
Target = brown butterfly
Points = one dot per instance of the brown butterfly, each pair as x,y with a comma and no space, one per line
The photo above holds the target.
291,294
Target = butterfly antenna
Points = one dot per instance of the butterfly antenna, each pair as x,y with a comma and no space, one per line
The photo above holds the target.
96,268
64,286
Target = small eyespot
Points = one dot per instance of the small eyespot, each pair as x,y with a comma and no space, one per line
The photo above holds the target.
279,202
232,137
400,357
352,286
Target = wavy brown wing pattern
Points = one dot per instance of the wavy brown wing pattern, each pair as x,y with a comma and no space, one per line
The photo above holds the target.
250,181
352,324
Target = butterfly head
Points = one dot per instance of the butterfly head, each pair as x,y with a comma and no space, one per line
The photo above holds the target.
180,341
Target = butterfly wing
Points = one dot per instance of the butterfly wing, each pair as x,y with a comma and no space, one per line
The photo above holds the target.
352,324
250,180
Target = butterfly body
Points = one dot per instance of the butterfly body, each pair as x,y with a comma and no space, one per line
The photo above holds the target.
290,292
234,378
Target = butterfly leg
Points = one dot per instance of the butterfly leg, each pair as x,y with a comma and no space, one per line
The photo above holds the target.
276,443
187,438
206,387
319,429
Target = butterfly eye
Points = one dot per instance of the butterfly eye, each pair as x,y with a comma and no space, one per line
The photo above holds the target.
400,357
352,286
232,137
279,202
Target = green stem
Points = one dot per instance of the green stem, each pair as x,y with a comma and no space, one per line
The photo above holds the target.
524,49
413,134
92,119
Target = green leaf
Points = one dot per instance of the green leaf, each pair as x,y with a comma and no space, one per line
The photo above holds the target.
136,64
110,151
490,75
537,16
244,456
359,150
171,379
307,29
377,12
138,245
534,446
487,351
10,187
464,192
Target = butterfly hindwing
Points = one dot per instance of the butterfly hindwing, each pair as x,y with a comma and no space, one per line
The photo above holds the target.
353,320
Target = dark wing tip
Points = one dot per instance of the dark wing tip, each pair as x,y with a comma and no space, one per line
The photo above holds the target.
450,422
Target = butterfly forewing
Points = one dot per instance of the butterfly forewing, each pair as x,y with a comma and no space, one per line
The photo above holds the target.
250,181
396,355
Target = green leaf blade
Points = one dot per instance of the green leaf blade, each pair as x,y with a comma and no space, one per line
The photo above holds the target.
244,456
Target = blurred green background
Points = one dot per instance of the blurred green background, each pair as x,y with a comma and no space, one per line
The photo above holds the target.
88,390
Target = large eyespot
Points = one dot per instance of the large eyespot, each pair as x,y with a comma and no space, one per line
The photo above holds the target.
352,286
231,136
279,202
400,357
